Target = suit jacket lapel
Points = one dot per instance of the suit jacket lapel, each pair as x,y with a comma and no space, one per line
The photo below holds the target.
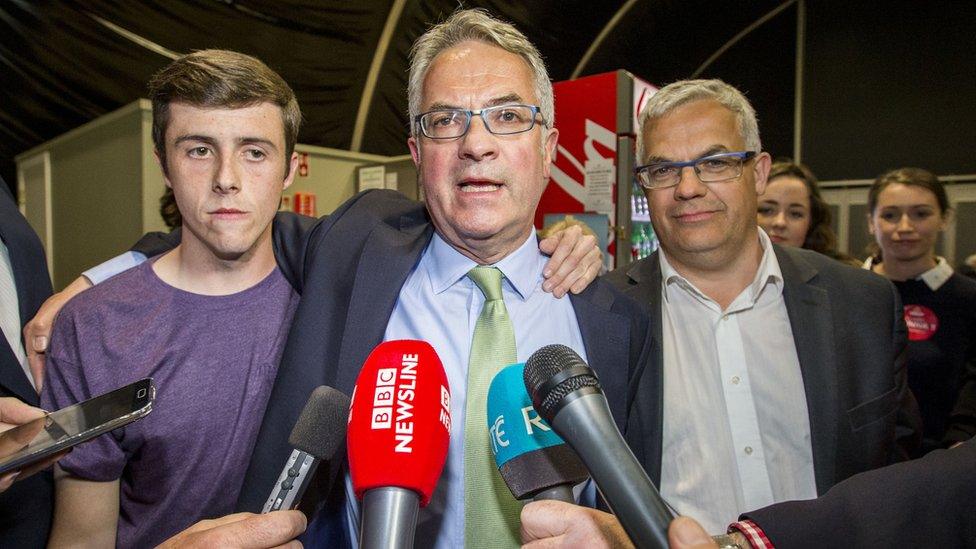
388,257
809,310
12,375
646,275
605,336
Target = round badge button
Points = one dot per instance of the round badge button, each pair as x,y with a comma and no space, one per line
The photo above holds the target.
921,321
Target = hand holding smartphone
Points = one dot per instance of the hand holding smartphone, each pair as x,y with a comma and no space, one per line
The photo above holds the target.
44,437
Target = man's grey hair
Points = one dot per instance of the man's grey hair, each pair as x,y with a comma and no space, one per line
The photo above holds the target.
678,93
475,24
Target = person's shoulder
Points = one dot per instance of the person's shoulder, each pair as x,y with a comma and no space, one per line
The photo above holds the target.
130,287
831,269
618,277
369,209
962,287
637,273
383,203
620,299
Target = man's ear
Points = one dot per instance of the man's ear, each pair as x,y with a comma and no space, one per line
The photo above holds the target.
414,147
162,168
292,170
549,151
764,163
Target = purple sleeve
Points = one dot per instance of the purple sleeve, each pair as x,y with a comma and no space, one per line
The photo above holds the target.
69,381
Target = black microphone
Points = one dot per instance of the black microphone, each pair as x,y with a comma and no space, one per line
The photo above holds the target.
567,394
317,434
534,462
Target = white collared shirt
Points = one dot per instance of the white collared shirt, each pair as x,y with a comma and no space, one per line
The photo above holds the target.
934,278
736,428
10,321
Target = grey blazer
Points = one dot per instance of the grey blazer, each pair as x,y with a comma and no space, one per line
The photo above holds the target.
850,339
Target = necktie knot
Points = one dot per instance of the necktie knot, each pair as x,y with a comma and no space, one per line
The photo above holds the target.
489,280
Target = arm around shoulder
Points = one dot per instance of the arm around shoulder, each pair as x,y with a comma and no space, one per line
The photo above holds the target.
37,332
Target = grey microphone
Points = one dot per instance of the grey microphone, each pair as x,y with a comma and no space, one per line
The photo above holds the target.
318,433
567,394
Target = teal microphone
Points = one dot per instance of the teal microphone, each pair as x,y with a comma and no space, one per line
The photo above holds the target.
532,459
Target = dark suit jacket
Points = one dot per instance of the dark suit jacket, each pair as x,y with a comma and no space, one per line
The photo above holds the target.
25,508
850,339
927,502
350,274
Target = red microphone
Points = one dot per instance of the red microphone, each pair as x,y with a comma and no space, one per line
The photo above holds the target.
399,431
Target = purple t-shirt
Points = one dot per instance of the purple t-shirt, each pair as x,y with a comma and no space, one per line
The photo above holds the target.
213,360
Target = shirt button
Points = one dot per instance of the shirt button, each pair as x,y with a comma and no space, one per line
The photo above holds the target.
748,450
735,380
726,317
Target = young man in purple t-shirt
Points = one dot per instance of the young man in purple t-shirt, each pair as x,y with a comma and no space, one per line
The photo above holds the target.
207,321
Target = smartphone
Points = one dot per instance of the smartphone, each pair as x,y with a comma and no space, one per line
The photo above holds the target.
60,430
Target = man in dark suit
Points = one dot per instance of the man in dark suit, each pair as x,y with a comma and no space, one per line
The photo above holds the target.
782,369
383,267
25,508
373,269
776,372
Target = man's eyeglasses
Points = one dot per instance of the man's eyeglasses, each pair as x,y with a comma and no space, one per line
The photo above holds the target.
709,169
500,120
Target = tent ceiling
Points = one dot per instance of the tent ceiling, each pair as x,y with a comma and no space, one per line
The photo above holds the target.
65,63
876,71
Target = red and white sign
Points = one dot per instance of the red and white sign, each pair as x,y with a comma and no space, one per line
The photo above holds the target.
586,115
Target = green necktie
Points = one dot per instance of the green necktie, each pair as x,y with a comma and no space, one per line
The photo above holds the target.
491,513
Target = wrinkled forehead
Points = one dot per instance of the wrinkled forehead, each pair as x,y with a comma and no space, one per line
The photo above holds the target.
474,75
692,130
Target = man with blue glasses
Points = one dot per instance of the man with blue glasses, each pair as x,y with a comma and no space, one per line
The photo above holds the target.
776,372
780,369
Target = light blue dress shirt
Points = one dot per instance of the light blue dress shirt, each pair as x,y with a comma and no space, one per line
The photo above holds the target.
440,305
122,262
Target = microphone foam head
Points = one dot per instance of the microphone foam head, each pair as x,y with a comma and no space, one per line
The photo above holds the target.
322,426
554,372
400,420
530,456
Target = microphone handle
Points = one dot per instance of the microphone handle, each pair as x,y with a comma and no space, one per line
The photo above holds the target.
389,518
583,423
292,482
562,492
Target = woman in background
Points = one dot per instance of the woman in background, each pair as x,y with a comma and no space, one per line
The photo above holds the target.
908,208
793,213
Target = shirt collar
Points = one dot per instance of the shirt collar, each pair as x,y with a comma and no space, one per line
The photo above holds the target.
768,272
934,278
522,268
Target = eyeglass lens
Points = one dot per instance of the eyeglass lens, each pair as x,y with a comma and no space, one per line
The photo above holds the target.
708,170
504,119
